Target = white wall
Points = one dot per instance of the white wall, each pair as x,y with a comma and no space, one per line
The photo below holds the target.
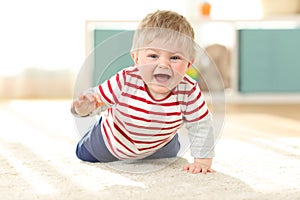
51,33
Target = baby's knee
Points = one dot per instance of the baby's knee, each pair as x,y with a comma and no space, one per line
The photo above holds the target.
83,154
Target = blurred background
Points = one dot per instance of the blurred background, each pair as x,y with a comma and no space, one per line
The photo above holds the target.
44,43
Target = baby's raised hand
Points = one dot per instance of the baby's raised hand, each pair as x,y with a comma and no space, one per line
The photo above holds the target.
87,103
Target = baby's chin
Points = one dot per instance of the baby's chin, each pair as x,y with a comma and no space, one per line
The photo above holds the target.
158,89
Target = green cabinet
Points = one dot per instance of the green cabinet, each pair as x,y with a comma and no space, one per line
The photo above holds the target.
269,60
111,53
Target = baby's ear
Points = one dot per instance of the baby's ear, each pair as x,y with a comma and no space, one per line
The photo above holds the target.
190,63
134,57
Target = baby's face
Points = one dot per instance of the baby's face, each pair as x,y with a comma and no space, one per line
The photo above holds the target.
161,70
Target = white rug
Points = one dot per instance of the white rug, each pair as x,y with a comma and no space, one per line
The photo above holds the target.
37,159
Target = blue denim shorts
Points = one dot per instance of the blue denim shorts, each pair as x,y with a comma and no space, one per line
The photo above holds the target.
92,148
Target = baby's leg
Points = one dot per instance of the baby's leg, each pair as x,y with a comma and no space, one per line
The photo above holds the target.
92,147
169,150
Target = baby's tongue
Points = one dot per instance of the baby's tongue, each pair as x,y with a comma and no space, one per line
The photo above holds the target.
162,77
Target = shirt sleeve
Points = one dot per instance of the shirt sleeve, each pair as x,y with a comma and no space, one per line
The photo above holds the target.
198,120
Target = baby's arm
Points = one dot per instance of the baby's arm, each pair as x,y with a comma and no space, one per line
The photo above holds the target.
202,147
99,98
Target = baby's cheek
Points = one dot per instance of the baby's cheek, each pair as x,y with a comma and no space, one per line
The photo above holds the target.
179,70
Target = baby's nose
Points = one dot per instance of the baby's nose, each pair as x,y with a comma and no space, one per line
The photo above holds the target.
164,63
163,66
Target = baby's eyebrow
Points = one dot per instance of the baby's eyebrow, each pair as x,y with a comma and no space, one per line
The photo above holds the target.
166,50
180,54
177,53
151,49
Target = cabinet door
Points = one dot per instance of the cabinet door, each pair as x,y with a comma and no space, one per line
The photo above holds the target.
269,60
111,53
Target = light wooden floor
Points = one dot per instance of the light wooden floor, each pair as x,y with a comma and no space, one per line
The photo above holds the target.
257,157
272,120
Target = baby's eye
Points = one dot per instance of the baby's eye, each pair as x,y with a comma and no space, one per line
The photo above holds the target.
152,56
175,57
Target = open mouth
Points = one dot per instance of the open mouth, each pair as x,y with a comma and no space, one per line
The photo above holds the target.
162,78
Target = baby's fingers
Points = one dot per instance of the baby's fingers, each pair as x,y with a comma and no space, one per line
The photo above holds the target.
186,167
81,97
74,103
203,170
90,97
189,168
206,170
197,169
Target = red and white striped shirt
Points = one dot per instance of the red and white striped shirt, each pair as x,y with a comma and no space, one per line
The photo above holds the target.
135,125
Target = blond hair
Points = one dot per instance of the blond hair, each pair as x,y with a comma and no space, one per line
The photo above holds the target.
167,20
169,28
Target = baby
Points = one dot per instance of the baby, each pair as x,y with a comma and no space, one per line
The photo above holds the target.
143,106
